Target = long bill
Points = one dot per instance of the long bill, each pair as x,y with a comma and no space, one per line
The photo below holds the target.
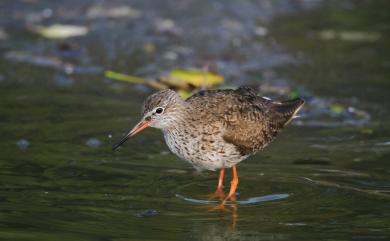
137,128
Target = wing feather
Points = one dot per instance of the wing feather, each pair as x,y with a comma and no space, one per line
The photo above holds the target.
249,121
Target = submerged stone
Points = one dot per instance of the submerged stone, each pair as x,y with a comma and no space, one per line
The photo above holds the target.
147,212
93,142
23,144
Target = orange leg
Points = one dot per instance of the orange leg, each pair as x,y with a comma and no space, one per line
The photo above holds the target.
233,185
219,192
233,188
220,180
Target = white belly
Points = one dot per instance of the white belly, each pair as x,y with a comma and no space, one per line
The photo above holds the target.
201,154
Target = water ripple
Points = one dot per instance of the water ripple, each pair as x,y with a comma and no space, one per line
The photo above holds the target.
251,200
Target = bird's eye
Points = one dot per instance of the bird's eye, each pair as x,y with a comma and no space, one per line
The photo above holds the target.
159,110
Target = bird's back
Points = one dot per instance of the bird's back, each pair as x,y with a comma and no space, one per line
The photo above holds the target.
245,120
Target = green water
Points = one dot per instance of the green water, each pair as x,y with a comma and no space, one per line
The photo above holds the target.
60,180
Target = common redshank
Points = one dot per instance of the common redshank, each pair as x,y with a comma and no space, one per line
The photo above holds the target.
216,129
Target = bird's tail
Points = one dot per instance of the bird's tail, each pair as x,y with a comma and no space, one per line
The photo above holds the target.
288,109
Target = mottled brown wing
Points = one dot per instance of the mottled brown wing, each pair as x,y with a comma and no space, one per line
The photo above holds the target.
235,115
259,121
249,122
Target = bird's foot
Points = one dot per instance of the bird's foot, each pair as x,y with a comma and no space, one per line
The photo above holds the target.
217,194
222,206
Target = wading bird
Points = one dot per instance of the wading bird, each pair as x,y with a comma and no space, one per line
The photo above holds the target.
216,129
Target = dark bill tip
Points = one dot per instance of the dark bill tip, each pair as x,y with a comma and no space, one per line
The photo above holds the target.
137,128
120,142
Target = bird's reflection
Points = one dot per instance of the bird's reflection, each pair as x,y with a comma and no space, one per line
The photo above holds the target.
225,207
215,203
215,231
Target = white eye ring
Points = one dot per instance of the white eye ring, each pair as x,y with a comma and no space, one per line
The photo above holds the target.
159,110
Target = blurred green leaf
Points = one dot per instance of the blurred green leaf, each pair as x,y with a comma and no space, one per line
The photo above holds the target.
196,78
336,108
60,31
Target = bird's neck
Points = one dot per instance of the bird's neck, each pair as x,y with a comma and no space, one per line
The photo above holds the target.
179,122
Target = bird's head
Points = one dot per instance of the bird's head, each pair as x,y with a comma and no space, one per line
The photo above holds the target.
161,110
